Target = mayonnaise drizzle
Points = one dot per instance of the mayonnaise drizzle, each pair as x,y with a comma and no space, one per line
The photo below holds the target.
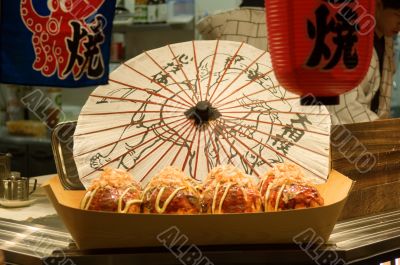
167,201
85,203
279,196
214,198
266,197
128,203
262,183
244,193
85,199
144,192
223,197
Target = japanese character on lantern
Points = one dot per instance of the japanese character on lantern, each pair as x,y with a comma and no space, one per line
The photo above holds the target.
335,37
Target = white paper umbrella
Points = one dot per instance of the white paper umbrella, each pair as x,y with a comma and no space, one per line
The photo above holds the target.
195,105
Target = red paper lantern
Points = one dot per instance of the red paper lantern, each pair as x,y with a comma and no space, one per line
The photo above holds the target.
321,48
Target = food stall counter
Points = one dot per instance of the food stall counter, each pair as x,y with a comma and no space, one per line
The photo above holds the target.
367,240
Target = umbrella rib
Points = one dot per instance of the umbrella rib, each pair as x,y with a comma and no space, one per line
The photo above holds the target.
135,100
245,145
218,103
225,70
161,158
184,73
258,102
248,95
197,71
213,144
170,76
197,155
283,155
240,74
181,148
127,137
190,149
126,124
275,111
280,138
280,125
237,152
161,144
129,112
119,156
206,147
145,90
212,68
159,84
222,146
240,141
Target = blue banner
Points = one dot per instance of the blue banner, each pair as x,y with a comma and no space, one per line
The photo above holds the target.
63,43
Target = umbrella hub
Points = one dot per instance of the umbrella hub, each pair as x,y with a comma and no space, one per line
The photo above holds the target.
202,113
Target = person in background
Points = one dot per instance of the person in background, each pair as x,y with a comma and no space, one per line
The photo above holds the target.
371,100
245,24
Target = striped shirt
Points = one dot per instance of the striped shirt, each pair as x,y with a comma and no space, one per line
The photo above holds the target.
355,105
246,24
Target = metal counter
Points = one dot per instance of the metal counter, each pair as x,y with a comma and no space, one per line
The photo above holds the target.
368,240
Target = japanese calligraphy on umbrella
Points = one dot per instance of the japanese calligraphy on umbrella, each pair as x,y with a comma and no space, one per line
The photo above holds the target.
195,105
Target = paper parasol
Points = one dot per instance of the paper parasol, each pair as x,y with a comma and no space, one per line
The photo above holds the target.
195,105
